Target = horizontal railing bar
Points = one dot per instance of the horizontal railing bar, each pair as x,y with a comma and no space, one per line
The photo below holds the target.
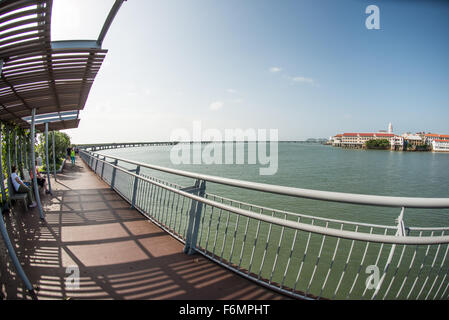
192,189
371,200
255,206
427,228
301,226
308,216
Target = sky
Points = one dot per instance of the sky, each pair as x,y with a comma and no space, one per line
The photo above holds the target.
310,69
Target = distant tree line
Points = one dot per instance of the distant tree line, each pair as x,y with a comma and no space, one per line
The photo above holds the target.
378,144
62,142
424,147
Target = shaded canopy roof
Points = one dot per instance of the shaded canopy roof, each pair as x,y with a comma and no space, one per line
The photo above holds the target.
56,121
52,77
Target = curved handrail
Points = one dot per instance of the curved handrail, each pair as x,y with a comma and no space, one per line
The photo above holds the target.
352,198
286,223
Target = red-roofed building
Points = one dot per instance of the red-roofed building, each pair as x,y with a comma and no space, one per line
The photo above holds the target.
430,137
385,135
439,142
359,140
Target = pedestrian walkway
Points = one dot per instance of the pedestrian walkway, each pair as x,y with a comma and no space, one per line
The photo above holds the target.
92,232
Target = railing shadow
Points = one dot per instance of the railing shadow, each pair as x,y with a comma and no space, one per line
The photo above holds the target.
117,252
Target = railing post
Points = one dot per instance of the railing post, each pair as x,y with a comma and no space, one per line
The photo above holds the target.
194,219
114,171
400,232
89,160
136,182
96,163
400,223
102,168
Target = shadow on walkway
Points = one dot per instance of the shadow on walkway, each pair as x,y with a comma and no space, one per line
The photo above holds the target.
118,254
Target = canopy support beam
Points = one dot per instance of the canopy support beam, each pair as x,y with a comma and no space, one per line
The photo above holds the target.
33,166
54,155
109,20
47,160
2,177
8,151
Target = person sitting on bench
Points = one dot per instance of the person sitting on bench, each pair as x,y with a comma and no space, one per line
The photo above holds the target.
20,187
41,181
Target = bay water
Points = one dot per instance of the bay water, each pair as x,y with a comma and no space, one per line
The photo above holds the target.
321,167
309,262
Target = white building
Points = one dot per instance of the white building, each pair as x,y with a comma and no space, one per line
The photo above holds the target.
413,139
440,145
336,141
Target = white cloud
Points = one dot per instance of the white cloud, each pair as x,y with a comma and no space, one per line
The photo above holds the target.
217,105
303,80
237,101
231,91
275,69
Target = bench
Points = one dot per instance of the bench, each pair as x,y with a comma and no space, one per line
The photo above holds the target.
13,195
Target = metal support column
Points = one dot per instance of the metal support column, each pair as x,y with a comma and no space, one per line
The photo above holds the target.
194,219
20,158
14,147
15,260
33,165
54,155
26,164
46,158
2,178
8,152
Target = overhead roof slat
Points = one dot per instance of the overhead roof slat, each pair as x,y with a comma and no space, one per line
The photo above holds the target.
53,77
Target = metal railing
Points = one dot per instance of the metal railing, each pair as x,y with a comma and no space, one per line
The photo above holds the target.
299,255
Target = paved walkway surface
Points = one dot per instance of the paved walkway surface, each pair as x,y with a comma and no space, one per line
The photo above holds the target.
89,230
